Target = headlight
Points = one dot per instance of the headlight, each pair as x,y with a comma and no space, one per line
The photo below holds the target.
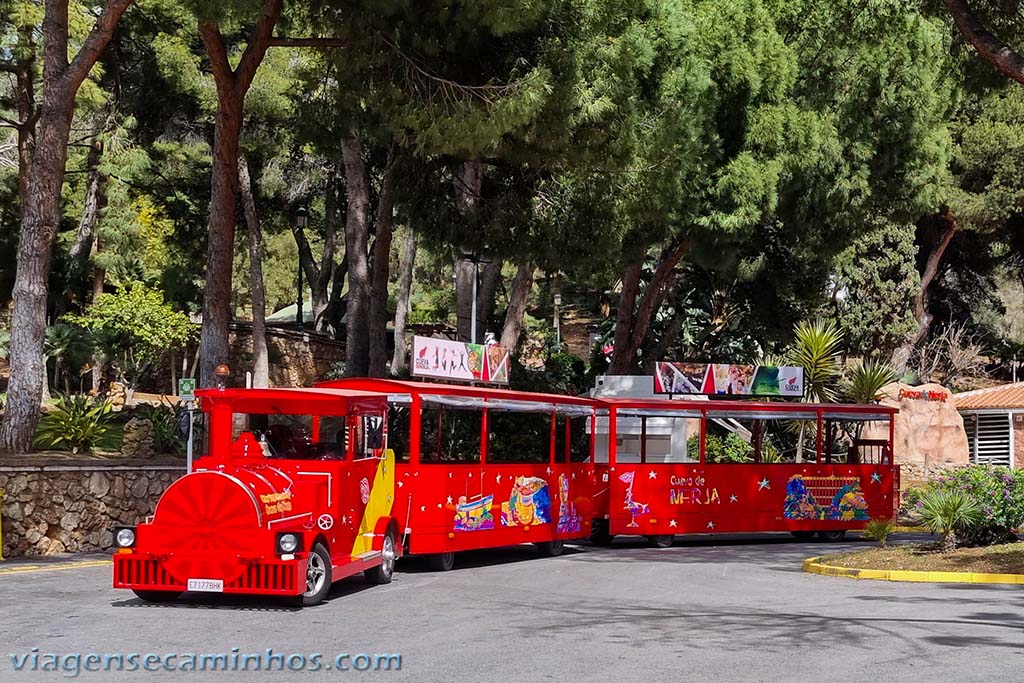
125,537
287,543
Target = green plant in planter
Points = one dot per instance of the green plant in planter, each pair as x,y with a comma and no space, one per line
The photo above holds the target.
75,424
879,530
164,419
950,514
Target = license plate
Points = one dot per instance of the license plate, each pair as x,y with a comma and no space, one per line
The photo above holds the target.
206,585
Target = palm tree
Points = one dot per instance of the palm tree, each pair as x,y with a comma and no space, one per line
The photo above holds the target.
66,344
817,349
866,379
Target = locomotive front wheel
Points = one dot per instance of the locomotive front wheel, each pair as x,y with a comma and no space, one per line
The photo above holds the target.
318,577
551,548
599,534
802,535
156,596
383,572
442,562
661,541
833,535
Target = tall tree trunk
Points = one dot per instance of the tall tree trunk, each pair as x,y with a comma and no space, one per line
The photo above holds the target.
232,86
621,362
398,360
931,268
486,296
24,74
989,46
40,213
467,182
319,276
522,283
260,358
335,306
381,273
95,201
357,236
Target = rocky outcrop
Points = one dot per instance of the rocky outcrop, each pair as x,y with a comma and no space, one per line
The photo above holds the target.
69,509
138,440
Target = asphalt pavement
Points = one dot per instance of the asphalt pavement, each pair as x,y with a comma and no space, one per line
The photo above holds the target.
711,608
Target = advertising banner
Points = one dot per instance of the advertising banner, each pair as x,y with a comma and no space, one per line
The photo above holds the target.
446,359
716,379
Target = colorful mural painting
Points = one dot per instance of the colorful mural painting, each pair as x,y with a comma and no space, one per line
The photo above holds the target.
846,501
568,520
529,503
634,508
474,515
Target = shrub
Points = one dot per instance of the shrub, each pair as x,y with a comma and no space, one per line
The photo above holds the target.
999,492
879,530
731,449
76,423
949,513
164,418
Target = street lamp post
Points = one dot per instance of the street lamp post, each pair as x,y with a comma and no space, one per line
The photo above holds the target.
558,320
300,226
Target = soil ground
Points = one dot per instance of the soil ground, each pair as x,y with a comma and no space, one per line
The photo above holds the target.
998,559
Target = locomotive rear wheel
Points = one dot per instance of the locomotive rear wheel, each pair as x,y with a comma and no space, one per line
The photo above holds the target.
833,535
156,596
318,577
802,535
383,572
551,548
442,562
661,541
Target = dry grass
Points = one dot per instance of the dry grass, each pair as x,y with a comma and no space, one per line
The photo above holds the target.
997,559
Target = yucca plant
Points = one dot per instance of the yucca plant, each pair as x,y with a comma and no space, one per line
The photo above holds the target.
879,530
817,348
949,513
866,379
76,423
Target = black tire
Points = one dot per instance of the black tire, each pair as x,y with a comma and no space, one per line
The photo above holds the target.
318,577
661,541
384,571
833,535
551,548
599,534
442,562
157,596
802,535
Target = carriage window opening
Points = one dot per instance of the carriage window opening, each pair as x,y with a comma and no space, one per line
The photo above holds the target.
398,431
519,437
579,439
663,439
856,442
449,434
291,436
767,440
368,435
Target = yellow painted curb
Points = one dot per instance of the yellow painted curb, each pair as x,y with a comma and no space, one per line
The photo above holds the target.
814,565
30,568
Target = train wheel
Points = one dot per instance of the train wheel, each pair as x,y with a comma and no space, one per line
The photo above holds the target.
383,572
599,535
318,576
802,535
551,548
833,535
156,596
661,541
442,562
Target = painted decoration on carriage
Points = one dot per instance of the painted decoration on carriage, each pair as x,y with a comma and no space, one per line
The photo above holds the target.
568,520
846,500
474,514
634,508
529,503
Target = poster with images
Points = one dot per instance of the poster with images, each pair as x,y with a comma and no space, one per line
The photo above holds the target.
725,379
453,360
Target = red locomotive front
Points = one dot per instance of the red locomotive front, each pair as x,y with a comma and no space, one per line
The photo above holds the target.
296,493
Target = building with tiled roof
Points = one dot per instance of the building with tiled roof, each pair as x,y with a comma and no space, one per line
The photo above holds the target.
994,420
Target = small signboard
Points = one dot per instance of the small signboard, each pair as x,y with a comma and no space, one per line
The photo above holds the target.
187,389
446,359
718,379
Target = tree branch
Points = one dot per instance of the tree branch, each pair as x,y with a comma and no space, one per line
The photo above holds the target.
258,44
988,45
285,41
95,43
223,76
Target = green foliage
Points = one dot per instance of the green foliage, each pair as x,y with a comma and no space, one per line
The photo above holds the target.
879,530
76,424
163,417
949,513
816,349
729,449
998,491
866,379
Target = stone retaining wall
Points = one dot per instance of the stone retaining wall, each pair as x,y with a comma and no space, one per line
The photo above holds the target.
71,507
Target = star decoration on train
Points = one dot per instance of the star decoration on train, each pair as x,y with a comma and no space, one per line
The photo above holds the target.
449,501
652,475
672,523
423,508
573,475
497,479
764,484
711,525
401,484
876,477
549,470
733,498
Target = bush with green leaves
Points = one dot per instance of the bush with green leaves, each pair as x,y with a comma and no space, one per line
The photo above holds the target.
730,449
163,417
879,530
998,491
951,514
75,424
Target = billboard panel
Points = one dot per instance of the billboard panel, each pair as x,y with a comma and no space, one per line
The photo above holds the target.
720,379
446,359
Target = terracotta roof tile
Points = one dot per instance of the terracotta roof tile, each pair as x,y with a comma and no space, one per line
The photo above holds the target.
1005,396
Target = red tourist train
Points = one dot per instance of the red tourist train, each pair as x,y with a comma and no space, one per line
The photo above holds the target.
303,487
